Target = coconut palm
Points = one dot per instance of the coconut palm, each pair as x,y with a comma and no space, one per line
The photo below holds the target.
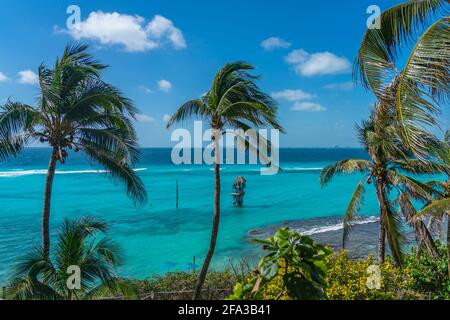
76,110
39,278
440,207
388,169
419,30
233,101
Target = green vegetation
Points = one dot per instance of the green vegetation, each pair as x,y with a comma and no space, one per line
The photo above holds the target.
348,280
418,29
234,101
439,207
78,110
39,277
392,170
321,275
179,285
295,263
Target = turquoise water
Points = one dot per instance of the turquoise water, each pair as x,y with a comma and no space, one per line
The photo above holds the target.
158,238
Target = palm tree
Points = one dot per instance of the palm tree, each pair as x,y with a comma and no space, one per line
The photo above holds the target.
387,168
39,278
421,26
76,110
234,101
440,207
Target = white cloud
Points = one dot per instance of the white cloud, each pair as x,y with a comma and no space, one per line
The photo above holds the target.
28,77
308,106
129,32
146,89
292,95
161,27
144,118
166,118
164,85
3,77
319,63
274,43
343,86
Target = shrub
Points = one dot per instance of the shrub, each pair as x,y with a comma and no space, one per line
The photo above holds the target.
430,276
294,268
180,285
347,280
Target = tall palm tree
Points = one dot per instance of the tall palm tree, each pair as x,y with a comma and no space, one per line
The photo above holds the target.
387,168
76,110
440,206
418,29
39,278
233,101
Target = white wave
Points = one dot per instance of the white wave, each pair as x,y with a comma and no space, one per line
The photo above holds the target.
336,227
301,169
15,174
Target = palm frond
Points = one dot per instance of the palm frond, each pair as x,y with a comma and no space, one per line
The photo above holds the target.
424,80
344,167
27,288
93,96
191,108
392,224
11,147
119,142
437,208
119,170
417,189
379,49
422,166
352,209
17,118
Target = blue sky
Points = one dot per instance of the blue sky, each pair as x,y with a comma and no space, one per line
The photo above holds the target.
162,53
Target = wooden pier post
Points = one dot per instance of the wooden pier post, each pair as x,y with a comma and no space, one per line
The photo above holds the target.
177,195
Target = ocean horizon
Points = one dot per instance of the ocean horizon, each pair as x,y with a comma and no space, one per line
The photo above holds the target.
157,238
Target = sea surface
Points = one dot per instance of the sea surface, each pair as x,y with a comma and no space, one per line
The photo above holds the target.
157,237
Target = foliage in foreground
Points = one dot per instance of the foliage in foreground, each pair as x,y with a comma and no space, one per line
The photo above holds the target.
298,268
348,280
39,277
430,276
295,263
179,285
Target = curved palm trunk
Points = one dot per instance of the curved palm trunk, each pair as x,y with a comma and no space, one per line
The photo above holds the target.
381,196
216,221
47,202
424,235
448,246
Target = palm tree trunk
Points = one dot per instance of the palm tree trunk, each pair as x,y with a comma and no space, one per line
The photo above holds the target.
216,221
382,232
47,202
448,245
424,235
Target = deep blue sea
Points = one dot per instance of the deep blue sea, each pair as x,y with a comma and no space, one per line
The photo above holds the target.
157,237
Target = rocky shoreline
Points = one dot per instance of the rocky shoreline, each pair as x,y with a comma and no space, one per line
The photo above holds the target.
363,239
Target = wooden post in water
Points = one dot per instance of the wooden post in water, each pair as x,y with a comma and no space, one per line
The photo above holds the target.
177,194
239,191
